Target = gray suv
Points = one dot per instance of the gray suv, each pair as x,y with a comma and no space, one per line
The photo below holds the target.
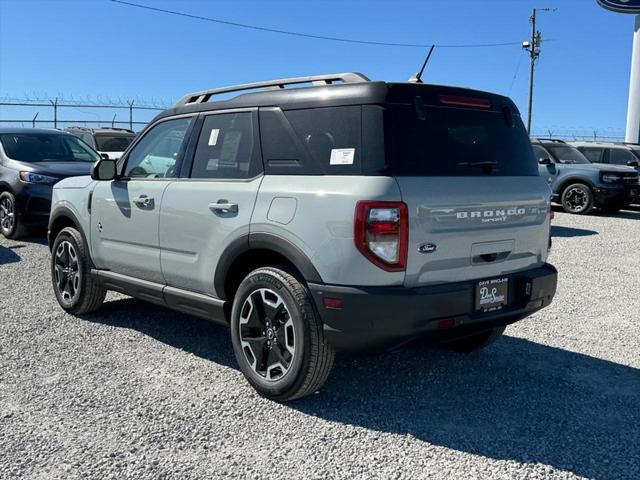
346,215
579,185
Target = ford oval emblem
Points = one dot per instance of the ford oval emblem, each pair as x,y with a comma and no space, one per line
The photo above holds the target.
427,248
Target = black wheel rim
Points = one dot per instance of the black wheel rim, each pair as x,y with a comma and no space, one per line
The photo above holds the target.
576,199
7,215
267,335
67,272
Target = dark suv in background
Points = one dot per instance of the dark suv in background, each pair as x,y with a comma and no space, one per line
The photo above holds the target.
579,185
111,142
31,162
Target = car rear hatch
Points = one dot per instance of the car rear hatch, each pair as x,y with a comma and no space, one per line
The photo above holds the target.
477,208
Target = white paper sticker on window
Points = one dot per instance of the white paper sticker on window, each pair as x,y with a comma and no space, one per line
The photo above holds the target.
342,156
213,137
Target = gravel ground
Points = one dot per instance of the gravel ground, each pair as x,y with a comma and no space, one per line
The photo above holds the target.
137,391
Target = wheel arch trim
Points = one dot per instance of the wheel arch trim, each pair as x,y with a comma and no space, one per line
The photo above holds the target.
262,241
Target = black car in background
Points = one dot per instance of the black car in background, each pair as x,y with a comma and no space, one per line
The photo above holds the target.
31,162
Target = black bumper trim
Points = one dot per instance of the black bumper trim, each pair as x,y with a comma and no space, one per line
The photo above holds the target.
374,317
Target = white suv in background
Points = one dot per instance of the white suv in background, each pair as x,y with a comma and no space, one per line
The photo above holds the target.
111,142
610,152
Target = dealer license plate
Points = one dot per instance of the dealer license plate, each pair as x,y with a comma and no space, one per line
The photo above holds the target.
492,295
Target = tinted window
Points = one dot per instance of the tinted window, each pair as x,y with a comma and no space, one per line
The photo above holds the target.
540,153
444,141
331,137
226,147
566,153
620,156
113,143
46,147
156,154
594,155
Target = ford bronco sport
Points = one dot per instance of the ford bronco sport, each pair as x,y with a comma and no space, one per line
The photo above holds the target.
350,214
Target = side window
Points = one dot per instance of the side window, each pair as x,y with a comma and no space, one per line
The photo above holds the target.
332,136
540,153
620,156
227,147
156,154
594,155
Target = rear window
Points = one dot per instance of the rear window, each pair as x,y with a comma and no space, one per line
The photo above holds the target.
113,143
451,141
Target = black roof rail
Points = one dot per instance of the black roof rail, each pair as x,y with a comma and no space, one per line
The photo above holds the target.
555,140
316,80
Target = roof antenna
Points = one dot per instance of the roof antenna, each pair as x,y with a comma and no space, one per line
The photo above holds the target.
417,78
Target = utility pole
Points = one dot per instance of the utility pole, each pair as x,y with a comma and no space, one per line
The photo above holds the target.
533,47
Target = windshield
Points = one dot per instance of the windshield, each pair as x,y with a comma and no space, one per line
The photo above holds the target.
566,154
636,150
46,147
446,141
113,143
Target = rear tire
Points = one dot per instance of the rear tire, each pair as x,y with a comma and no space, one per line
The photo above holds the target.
277,335
577,198
11,225
475,342
76,290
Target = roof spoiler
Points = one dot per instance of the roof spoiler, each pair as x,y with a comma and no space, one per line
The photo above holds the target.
316,80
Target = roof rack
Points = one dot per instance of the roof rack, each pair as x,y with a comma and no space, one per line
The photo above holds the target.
555,140
316,80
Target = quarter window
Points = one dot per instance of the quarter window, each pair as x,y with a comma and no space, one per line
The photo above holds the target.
157,153
227,148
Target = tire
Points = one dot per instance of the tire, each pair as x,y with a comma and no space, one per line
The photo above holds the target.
76,290
475,342
11,225
277,335
577,198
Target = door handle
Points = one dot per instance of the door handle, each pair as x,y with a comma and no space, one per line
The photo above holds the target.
143,201
223,206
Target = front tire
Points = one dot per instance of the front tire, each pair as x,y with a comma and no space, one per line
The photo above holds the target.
76,290
475,342
577,198
277,336
10,223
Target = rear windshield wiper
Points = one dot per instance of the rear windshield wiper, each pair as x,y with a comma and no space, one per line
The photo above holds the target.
477,164
488,166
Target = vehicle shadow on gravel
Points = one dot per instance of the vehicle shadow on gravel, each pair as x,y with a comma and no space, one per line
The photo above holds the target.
7,255
517,400
557,231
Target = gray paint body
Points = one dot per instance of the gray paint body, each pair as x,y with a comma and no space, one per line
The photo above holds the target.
178,241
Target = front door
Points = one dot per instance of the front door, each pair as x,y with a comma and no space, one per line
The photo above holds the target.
203,214
125,212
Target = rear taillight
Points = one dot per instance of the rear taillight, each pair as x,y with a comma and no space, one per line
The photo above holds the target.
381,232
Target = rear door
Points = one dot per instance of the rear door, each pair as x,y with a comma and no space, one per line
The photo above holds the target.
205,212
470,180
125,212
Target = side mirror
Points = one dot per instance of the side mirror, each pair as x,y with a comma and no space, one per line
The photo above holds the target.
545,161
104,170
105,156
633,163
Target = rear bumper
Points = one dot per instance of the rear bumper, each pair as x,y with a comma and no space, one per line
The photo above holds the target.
377,317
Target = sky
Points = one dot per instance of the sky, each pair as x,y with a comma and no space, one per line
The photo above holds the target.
101,50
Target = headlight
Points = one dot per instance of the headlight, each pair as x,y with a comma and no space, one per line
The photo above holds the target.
29,177
611,178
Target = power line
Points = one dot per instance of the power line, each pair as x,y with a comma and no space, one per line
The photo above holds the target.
308,35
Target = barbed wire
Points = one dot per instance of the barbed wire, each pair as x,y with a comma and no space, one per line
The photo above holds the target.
86,100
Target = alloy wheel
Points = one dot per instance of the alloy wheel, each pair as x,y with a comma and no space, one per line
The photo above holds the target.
67,272
267,334
7,215
576,199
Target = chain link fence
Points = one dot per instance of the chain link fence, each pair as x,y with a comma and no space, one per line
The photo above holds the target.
61,113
